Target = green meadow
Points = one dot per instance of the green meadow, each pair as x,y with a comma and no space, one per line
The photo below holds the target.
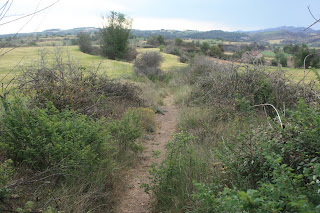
24,56
270,53
11,61
169,61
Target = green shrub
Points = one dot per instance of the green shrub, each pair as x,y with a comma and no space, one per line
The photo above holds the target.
272,169
283,193
6,172
172,181
126,130
41,138
259,168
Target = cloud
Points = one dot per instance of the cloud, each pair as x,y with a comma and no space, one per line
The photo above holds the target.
177,24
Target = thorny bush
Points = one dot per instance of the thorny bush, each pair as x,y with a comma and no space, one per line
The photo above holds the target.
71,86
224,84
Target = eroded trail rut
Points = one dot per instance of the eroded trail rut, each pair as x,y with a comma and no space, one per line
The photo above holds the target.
135,200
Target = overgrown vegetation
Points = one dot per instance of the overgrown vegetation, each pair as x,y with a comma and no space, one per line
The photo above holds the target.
71,86
234,152
67,140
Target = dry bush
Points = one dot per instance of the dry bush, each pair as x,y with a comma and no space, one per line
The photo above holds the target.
131,54
69,85
148,64
224,84
61,189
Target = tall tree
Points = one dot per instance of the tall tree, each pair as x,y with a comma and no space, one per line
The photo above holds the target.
115,33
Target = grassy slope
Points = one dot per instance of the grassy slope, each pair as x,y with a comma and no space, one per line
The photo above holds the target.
29,54
115,69
170,61
296,74
270,53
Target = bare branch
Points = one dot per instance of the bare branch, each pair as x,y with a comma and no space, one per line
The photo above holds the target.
31,14
311,13
8,42
314,23
275,109
5,9
304,67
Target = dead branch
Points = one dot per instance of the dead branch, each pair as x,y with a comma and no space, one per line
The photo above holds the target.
275,109
314,23
30,14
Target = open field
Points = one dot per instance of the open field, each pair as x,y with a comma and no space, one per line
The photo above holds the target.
24,56
27,55
170,61
275,41
270,53
294,74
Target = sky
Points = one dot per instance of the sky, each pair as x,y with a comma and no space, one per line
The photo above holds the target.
202,15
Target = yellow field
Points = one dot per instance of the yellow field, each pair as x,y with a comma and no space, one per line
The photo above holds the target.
170,61
276,41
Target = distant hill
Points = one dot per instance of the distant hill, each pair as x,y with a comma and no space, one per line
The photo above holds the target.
287,34
50,32
168,34
284,28
193,34
284,34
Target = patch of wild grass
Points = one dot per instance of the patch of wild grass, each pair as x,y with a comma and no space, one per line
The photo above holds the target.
66,144
246,160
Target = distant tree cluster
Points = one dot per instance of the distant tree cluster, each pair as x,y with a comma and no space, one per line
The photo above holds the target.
215,51
156,40
302,54
281,59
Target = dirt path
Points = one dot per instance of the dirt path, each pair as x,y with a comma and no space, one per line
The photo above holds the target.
135,200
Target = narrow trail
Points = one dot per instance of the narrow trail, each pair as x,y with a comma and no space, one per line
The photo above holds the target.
135,200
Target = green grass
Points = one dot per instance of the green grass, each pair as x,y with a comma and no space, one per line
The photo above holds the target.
269,53
170,61
27,55
24,56
296,74
115,69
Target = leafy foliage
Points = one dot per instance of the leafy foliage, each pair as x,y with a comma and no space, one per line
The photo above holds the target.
156,40
84,43
312,60
232,160
273,168
41,138
115,36
127,130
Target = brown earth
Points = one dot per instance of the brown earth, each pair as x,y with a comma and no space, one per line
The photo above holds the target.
135,199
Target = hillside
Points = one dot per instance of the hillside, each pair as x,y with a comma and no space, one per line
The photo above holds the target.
278,35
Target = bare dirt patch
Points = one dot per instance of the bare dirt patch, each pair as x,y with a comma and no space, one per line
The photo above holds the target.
134,199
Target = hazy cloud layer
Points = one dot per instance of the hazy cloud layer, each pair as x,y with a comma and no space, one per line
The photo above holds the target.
227,15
